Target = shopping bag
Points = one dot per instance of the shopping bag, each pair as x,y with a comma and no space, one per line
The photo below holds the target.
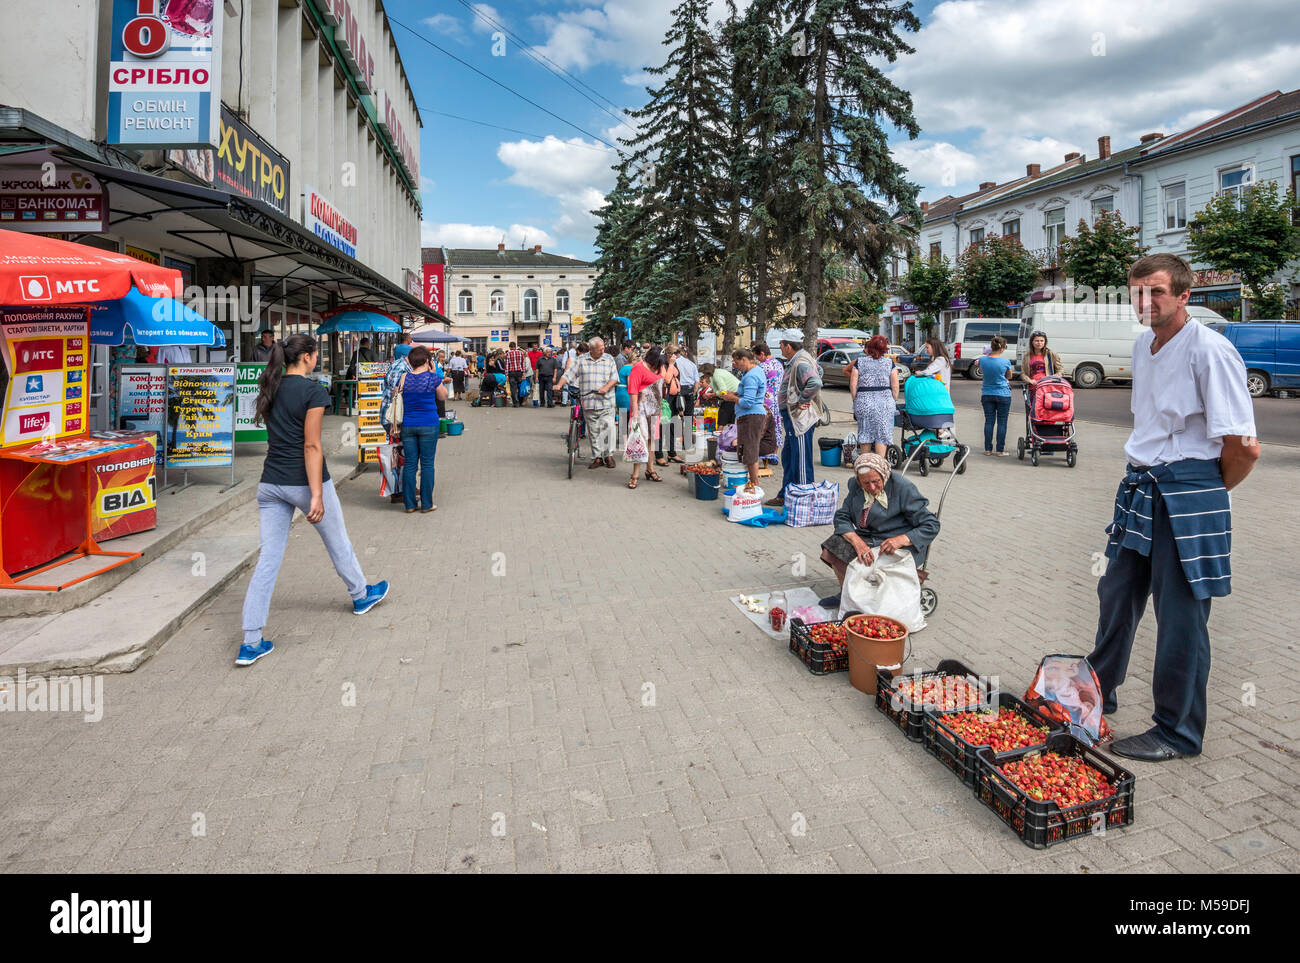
746,505
811,504
635,450
889,586
728,437
390,469
1067,690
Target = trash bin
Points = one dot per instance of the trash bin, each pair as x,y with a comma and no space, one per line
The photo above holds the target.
832,450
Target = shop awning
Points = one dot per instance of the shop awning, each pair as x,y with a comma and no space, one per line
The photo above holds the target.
153,322
200,222
37,270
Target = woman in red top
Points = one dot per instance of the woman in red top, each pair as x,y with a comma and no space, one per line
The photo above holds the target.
645,385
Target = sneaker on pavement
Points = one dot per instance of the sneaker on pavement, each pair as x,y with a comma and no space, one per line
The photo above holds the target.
248,654
374,595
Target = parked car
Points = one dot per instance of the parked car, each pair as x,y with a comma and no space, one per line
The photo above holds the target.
1270,349
835,363
1094,341
968,337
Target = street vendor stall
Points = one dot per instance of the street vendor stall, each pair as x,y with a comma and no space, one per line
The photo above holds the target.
51,497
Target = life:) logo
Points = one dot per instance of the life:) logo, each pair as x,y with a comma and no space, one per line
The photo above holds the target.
33,424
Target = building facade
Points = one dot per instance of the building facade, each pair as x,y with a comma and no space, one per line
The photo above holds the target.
529,297
298,188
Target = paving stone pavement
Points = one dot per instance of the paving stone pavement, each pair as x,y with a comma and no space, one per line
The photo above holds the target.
558,683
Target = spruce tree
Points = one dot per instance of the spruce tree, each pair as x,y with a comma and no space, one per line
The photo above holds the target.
853,188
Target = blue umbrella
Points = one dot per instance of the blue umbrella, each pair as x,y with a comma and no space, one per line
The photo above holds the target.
359,320
153,322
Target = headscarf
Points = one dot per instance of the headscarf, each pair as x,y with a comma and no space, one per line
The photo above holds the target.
870,461
402,350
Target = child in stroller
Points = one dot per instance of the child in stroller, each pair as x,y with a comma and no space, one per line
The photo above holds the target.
1049,420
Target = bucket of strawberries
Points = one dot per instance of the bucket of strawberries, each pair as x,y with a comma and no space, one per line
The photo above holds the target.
875,642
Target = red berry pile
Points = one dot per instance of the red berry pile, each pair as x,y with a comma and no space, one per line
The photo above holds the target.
777,617
940,691
875,627
1006,730
829,633
1065,780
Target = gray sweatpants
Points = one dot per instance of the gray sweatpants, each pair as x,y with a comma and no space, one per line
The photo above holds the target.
275,507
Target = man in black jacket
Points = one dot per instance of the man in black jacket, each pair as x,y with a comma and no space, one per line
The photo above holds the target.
546,366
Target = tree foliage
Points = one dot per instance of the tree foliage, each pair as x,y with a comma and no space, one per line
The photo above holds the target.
994,272
1100,256
929,284
1257,239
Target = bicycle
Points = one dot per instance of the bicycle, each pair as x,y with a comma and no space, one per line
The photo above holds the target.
577,425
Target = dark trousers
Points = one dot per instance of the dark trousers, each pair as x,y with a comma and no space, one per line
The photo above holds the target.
682,404
726,414
796,455
1182,663
998,408
544,390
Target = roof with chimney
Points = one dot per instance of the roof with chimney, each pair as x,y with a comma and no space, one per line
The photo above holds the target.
459,257
1275,106
1083,168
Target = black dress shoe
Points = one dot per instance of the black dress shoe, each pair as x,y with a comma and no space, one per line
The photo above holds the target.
1148,747
830,602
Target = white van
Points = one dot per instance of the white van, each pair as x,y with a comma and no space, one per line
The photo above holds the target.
968,337
1094,341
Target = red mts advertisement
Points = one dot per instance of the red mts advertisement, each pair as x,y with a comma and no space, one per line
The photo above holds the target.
125,494
435,287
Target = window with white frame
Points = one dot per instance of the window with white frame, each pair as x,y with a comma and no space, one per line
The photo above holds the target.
530,304
1235,180
1054,226
465,302
1101,204
1174,206
562,299
497,302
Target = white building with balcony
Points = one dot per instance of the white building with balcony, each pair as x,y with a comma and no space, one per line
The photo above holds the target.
1256,142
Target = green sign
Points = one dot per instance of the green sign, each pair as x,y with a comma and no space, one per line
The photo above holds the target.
246,403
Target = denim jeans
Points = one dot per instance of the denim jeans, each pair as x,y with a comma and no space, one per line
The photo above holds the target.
995,407
420,444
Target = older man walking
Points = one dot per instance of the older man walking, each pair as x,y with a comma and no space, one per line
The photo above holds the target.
800,412
1193,441
594,377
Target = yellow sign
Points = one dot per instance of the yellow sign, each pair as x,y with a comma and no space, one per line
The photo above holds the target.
367,404
367,456
140,254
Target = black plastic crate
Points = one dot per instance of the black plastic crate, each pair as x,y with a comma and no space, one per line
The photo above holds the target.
907,715
1039,823
959,755
820,657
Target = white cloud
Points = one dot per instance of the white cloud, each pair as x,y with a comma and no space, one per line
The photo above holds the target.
570,172
483,14
482,235
1042,78
444,24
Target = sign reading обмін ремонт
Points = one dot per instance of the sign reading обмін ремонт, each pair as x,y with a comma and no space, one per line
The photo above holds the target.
328,223
164,74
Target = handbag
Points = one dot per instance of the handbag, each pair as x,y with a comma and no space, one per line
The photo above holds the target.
397,407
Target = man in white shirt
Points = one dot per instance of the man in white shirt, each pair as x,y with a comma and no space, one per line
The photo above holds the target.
1193,441
457,366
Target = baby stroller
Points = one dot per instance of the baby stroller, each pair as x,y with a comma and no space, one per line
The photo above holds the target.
926,418
1049,421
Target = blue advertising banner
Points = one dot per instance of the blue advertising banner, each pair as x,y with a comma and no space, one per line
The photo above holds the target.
164,73
200,428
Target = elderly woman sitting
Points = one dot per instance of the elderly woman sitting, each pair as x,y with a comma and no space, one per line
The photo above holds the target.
880,511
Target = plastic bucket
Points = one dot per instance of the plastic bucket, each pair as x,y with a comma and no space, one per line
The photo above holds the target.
831,456
707,486
444,426
866,656
457,428
726,499
713,449
499,401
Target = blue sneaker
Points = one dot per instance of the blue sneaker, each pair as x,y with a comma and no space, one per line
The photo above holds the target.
248,654
374,595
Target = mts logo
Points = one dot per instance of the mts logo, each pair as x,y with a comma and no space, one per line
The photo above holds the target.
33,424
45,354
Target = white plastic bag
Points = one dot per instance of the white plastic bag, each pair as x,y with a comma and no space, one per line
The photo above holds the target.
745,504
635,450
888,586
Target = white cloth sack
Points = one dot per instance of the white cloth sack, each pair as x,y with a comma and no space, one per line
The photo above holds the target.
888,586
746,504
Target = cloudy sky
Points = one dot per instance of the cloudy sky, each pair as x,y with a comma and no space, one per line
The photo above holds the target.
996,84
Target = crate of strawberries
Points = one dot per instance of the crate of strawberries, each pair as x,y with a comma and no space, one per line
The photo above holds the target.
903,698
823,646
952,736
1064,790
